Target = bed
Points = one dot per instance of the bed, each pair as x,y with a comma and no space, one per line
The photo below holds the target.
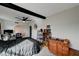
24,48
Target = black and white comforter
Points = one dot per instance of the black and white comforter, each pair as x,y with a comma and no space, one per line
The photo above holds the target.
24,48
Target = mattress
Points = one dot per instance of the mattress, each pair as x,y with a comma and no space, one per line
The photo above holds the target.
25,48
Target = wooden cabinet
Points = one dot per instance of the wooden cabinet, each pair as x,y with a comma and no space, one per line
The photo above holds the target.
58,47
65,50
52,46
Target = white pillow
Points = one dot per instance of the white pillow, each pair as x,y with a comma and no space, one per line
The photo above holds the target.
5,38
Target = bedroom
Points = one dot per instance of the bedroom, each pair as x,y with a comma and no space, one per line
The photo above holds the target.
62,18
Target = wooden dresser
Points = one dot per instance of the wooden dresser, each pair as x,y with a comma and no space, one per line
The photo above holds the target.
58,47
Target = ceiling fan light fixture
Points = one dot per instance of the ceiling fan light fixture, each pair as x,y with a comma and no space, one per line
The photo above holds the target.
23,21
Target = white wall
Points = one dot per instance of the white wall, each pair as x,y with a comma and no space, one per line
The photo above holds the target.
2,25
66,25
39,23
7,24
22,28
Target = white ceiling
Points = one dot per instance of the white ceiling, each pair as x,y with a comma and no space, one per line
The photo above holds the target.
45,9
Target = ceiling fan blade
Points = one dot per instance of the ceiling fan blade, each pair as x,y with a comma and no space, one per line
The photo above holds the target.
23,19
18,18
28,20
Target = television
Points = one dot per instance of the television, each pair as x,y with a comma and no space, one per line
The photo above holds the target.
8,31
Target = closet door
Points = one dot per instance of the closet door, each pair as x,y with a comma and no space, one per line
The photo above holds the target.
59,48
52,45
65,50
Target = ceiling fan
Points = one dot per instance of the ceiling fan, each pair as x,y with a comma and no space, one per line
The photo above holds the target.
23,19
